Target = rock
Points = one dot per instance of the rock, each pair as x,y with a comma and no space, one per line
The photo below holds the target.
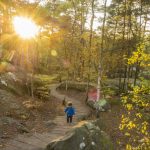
10,121
42,92
1,132
22,129
91,103
85,136
4,82
72,139
108,97
13,76
50,123
82,117
91,126
82,145
14,82
101,105
10,105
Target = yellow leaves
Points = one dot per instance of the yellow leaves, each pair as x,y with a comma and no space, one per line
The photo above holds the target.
129,107
140,57
128,147
124,99
144,128
126,123
139,115
143,104
121,126
131,125
134,120
136,89
127,134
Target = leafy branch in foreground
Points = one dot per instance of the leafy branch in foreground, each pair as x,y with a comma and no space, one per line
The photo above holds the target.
135,122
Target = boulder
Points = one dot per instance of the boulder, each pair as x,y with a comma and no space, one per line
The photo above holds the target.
91,103
10,105
50,123
14,82
84,136
11,121
82,117
22,129
101,105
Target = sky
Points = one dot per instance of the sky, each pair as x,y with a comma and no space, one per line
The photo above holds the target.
96,23
97,15
108,1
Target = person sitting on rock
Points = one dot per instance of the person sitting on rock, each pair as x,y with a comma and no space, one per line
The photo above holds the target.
70,111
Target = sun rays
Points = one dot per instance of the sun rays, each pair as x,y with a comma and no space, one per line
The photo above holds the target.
25,27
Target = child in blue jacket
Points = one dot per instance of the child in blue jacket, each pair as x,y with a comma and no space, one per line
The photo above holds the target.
70,111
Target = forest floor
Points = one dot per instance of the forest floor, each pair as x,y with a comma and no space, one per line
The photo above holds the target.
34,116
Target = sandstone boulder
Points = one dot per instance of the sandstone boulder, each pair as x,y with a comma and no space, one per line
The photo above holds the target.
101,105
85,136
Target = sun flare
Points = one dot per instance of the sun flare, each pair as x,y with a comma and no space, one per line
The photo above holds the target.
54,53
25,27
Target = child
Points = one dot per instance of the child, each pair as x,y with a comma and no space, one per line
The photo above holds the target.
70,111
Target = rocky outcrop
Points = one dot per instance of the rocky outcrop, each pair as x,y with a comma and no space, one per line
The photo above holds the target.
11,106
101,105
8,121
14,82
42,92
84,136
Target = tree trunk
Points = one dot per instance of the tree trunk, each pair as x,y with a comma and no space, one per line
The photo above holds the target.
90,44
102,49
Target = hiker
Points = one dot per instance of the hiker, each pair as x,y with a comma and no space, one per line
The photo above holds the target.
70,111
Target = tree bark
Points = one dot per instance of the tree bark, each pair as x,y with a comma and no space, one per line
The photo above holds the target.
101,51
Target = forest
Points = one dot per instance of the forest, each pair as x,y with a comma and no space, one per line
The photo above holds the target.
93,53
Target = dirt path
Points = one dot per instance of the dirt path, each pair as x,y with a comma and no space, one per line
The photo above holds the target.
38,141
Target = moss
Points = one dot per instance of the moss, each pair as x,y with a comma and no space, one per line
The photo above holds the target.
114,101
105,142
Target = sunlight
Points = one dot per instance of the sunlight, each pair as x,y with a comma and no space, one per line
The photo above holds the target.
25,27
54,53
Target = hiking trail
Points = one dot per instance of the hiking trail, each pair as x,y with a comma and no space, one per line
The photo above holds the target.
39,141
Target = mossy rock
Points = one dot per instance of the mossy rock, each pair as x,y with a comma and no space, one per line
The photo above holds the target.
84,136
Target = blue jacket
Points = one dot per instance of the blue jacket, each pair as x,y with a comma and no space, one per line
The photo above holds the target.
70,111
